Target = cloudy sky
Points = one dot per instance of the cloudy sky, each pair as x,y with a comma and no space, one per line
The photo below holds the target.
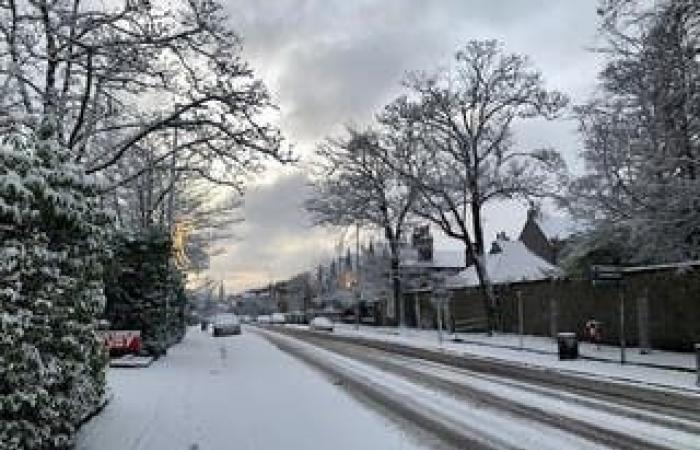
330,62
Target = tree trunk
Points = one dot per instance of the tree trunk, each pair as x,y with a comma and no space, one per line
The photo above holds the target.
481,269
396,285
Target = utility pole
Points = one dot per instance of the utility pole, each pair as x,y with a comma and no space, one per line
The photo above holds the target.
171,197
169,224
621,294
521,318
358,277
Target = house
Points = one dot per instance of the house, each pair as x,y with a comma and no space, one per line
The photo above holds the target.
507,262
546,235
422,267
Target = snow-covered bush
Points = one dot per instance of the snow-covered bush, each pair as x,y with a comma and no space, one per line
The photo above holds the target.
52,362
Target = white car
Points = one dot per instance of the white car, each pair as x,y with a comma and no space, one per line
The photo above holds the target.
225,324
263,320
278,319
321,324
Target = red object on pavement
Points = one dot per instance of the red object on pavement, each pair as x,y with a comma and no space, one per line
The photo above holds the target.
123,341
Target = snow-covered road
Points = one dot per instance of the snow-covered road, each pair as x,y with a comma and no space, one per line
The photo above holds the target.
480,409
236,392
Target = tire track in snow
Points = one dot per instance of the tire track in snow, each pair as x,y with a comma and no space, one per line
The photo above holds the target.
610,425
463,424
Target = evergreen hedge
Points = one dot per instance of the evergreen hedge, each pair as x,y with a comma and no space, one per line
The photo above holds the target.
52,361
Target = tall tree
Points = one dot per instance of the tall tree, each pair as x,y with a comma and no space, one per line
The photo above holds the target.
642,133
358,184
466,118
109,76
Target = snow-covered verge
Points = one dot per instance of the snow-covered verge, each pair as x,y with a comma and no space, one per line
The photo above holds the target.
483,347
237,392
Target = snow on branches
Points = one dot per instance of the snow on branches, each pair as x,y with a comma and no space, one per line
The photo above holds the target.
51,229
641,147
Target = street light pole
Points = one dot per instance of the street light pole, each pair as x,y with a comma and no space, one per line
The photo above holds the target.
358,276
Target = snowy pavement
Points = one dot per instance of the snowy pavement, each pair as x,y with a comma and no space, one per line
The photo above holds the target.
237,392
502,347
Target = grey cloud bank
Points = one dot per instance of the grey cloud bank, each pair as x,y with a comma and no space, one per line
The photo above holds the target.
332,62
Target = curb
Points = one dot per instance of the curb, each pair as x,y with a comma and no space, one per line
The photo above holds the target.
117,363
586,357
659,395
109,395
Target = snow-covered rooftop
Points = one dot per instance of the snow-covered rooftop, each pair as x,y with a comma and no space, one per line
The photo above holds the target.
513,264
442,258
557,227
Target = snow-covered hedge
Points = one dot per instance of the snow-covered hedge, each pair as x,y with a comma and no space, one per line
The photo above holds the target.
52,363
141,282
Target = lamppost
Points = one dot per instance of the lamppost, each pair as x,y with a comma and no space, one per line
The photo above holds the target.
358,277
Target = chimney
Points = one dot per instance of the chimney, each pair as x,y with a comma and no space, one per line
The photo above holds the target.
422,241
534,211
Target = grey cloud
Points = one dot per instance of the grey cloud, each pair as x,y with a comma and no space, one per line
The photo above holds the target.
329,62
276,238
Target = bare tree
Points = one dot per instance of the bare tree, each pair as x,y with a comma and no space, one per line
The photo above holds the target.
358,183
466,118
112,75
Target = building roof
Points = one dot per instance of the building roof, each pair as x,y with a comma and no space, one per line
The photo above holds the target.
515,263
442,259
556,227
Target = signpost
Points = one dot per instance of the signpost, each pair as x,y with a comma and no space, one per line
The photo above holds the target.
521,318
603,276
439,295
606,275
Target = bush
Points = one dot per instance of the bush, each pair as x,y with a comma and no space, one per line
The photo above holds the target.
52,362
140,283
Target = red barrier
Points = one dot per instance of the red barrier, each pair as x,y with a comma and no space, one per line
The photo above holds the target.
122,341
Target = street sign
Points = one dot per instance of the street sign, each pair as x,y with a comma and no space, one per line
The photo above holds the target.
606,272
612,276
604,275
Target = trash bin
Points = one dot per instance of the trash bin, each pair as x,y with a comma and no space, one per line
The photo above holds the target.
568,345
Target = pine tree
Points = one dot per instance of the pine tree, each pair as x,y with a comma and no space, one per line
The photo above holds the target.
52,362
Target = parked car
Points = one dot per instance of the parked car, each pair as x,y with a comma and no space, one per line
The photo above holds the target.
278,319
321,324
226,324
263,320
